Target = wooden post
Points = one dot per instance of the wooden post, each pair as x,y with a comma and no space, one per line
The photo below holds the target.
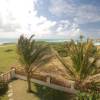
2,77
13,73
72,85
48,79
6,75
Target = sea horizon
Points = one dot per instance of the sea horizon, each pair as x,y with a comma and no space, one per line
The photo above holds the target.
14,40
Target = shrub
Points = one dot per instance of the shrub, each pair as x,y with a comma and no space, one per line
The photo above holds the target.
88,96
8,50
3,87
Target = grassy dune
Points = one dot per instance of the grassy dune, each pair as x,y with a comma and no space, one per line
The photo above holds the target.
8,57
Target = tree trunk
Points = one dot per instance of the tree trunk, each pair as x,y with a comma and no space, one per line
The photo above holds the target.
29,82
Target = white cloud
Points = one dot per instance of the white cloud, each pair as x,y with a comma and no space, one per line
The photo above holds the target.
83,13
60,7
20,16
68,29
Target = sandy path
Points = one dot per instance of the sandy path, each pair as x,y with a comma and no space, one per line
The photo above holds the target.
19,91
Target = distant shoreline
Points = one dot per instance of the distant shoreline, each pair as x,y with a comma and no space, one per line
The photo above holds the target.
7,43
14,41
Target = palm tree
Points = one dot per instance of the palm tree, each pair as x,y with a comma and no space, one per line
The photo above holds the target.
81,37
83,67
32,55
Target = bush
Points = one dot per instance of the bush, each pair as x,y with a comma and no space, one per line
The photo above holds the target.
88,96
3,87
8,50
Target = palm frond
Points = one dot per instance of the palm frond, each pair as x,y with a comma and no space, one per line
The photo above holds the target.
30,53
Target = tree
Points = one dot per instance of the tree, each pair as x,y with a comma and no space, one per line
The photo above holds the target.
83,59
32,55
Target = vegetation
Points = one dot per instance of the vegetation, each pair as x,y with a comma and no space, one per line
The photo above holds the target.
8,55
4,97
60,47
3,90
32,55
3,87
46,93
87,96
7,58
84,57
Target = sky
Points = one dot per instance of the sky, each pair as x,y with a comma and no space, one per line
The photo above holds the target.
50,19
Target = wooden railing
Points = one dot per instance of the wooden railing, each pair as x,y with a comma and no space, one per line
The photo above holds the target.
8,76
43,77
45,80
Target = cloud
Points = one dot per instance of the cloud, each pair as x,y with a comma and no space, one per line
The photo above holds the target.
7,21
20,16
14,15
68,29
82,13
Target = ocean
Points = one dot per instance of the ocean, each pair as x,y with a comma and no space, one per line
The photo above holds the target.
14,40
7,40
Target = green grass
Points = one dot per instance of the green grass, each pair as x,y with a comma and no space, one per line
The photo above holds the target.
4,97
8,57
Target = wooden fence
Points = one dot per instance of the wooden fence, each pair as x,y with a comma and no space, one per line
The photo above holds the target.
8,76
46,81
